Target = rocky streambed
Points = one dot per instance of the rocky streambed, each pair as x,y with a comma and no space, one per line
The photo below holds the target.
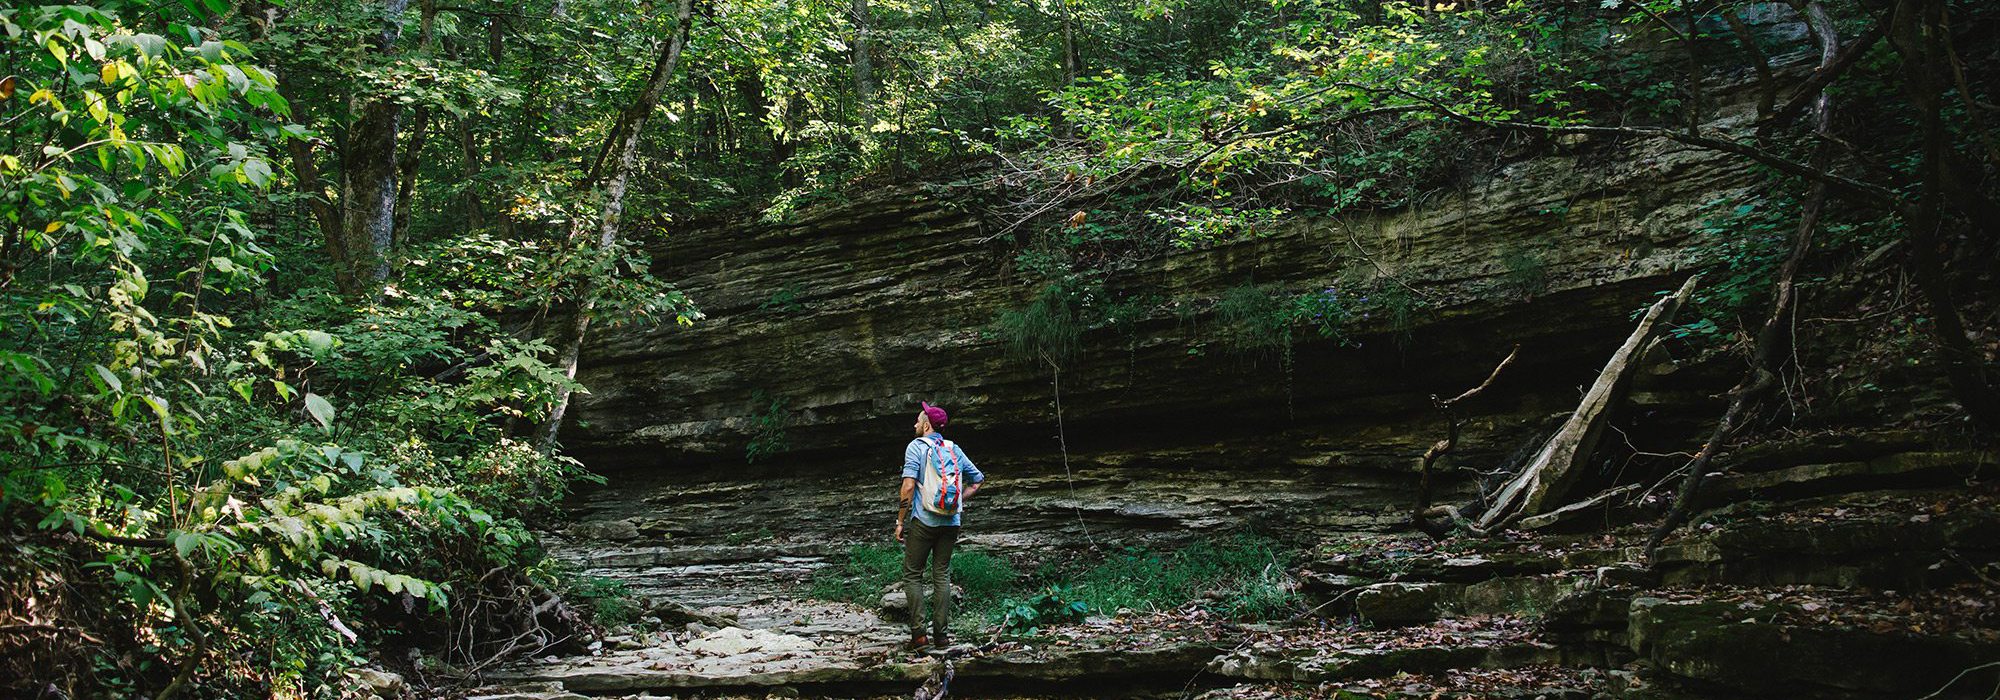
1818,581
748,535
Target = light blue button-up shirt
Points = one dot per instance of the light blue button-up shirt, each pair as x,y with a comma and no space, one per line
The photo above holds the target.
913,468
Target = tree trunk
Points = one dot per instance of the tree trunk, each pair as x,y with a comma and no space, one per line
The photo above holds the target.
611,205
305,170
406,186
864,68
1069,59
368,197
468,150
1916,32
1545,480
406,164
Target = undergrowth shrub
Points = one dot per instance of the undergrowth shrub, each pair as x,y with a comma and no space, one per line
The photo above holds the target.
860,577
1050,328
769,424
1243,576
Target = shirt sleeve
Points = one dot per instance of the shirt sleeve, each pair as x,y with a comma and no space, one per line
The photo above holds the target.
913,459
972,473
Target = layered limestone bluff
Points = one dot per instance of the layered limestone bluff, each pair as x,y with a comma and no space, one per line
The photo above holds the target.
857,310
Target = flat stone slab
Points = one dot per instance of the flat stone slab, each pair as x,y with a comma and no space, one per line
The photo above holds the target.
1333,655
810,643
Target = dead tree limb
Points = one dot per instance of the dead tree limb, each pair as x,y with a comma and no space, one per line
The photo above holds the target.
326,612
1534,522
1547,478
1422,515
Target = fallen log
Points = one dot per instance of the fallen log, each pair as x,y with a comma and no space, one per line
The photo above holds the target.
1547,478
1571,511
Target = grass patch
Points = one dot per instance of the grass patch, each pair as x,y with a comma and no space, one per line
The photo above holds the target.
860,578
1244,576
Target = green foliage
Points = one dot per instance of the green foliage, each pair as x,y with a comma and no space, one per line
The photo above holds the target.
785,300
984,576
769,426
1748,240
1243,576
1262,319
1254,319
609,600
1052,605
1399,307
1524,273
234,452
1051,328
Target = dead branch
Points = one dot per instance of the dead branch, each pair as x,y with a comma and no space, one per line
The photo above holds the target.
326,612
1572,510
1549,476
1821,77
1775,337
1767,86
1961,676
1422,515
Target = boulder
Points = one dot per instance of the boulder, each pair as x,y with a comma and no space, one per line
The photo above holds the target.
675,613
379,682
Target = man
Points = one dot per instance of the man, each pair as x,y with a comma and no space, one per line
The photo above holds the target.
932,533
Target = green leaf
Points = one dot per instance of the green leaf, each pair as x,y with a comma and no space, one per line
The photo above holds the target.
258,172
185,543
159,405
110,378
319,341
321,410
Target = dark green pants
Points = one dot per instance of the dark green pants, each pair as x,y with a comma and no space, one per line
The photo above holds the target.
922,542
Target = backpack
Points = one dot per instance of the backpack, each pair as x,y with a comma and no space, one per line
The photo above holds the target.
941,491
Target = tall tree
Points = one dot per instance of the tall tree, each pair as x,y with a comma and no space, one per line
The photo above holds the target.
613,169
864,69
368,191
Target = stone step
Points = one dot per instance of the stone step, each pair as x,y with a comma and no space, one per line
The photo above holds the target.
1768,649
1925,469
